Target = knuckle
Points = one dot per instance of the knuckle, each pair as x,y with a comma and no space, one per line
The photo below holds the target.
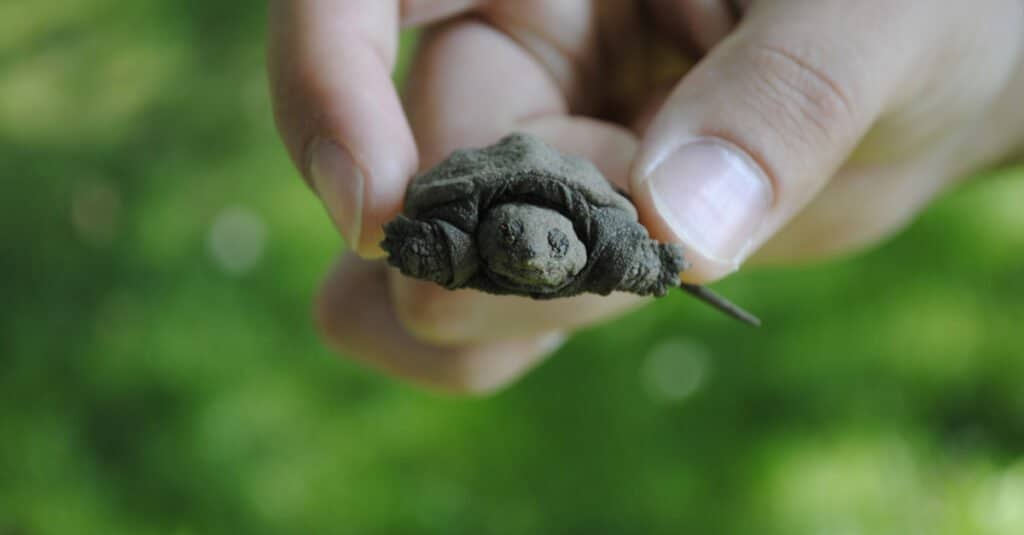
452,372
802,90
430,313
837,223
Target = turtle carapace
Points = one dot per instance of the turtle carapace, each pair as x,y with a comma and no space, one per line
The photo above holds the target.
521,218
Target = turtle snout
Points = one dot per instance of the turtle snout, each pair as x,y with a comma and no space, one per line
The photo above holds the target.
530,247
529,253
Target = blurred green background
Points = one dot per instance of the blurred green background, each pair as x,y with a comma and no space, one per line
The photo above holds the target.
160,373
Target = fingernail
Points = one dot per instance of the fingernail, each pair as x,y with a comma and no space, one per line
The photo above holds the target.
713,197
339,183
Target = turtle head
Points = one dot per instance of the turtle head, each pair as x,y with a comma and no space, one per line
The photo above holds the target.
530,247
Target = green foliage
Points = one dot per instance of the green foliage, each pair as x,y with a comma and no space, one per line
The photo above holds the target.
161,375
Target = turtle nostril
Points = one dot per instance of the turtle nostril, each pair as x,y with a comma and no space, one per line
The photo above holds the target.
530,253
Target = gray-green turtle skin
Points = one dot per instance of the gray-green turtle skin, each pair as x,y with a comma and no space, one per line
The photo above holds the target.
521,218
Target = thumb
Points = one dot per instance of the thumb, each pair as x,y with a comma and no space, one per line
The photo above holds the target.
756,129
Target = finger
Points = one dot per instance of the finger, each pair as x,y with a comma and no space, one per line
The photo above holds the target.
472,81
863,205
866,203
470,85
958,128
756,130
338,112
356,317
417,12
703,22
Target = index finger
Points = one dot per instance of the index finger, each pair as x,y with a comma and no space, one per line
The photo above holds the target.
341,119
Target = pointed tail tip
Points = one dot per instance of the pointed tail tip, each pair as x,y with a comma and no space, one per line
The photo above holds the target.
722,304
748,318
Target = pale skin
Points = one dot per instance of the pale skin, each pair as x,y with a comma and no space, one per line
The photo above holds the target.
807,129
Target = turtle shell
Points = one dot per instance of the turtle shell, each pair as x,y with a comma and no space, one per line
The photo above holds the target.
519,168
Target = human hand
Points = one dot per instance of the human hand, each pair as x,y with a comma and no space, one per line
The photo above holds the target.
808,128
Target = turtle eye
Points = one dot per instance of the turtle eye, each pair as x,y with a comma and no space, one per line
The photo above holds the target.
559,243
510,231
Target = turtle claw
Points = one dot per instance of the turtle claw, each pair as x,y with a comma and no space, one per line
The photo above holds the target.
672,264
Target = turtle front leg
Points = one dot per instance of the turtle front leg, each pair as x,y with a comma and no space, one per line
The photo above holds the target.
433,250
653,268
418,249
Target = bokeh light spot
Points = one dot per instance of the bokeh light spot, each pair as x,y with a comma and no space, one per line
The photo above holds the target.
237,240
999,507
95,209
675,370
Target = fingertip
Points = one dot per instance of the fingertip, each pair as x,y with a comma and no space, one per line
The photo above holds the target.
759,127
368,168
488,368
359,201
340,182
338,111
385,194
707,195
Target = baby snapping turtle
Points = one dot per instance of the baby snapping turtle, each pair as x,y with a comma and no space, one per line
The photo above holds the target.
521,218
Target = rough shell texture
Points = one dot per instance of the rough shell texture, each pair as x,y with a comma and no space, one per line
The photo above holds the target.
518,168
501,220
442,235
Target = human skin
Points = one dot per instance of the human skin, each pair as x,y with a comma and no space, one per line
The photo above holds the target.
806,129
